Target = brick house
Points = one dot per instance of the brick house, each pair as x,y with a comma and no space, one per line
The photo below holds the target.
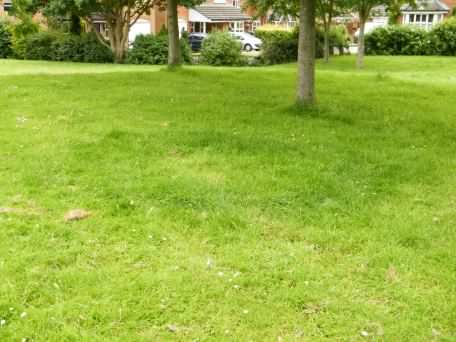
5,6
427,13
212,15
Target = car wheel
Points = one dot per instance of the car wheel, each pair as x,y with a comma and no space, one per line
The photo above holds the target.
248,47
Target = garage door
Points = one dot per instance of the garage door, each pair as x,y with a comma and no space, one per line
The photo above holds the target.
140,27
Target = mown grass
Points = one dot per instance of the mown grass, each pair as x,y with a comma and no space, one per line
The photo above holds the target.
218,212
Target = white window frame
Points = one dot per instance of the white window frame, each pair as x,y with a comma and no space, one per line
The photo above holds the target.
426,20
237,3
237,26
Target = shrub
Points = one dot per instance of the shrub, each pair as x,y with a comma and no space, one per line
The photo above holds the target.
39,46
5,40
67,47
92,51
21,30
443,38
220,48
397,40
150,49
282,46
279,46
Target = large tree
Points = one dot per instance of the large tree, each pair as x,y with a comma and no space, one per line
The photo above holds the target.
364,8
325,11
119,16
174,53
304,10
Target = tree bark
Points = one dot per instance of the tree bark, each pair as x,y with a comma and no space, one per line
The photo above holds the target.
306,54
174,59
360,57
326,51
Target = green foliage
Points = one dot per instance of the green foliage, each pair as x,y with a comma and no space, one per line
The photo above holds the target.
397,40
93,51
282,46
220,48
279,46
21,30
66,47
149,49
406,40
443,38
6,37
39,46
153,49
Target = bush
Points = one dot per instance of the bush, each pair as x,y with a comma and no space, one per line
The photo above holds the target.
66,47
397,40
220,48
6,43
39,46
21,30
150,49
92,51
281,46
443,38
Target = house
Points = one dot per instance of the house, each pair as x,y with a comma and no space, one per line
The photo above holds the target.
427,13
210,16
5,6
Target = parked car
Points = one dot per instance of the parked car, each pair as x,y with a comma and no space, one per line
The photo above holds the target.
195,40
248,41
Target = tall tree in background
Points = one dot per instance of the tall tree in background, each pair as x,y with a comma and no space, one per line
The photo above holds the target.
305,11
326,11
174,53
119,16
306,53
363,8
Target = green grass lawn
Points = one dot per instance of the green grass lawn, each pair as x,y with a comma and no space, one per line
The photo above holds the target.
218,212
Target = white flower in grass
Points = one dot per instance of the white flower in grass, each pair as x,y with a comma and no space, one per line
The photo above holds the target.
2,322
364,333
24,314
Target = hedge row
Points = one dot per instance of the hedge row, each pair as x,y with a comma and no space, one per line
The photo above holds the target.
282,46
150,49
407,40
52,46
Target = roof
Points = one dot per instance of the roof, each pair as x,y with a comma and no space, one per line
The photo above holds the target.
426,6
222,13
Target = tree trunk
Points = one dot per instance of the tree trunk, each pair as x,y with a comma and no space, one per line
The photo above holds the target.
117,41
360,57
306,54
326,51
174,59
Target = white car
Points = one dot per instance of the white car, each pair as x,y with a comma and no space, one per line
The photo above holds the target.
248,41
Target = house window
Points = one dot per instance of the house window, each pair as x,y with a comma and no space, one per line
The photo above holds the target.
237,26
255,25
198,27
422,20
237,3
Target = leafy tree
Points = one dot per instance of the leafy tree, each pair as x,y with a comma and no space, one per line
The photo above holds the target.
325,11
119,16
306,53
364,9
174,54
305,10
